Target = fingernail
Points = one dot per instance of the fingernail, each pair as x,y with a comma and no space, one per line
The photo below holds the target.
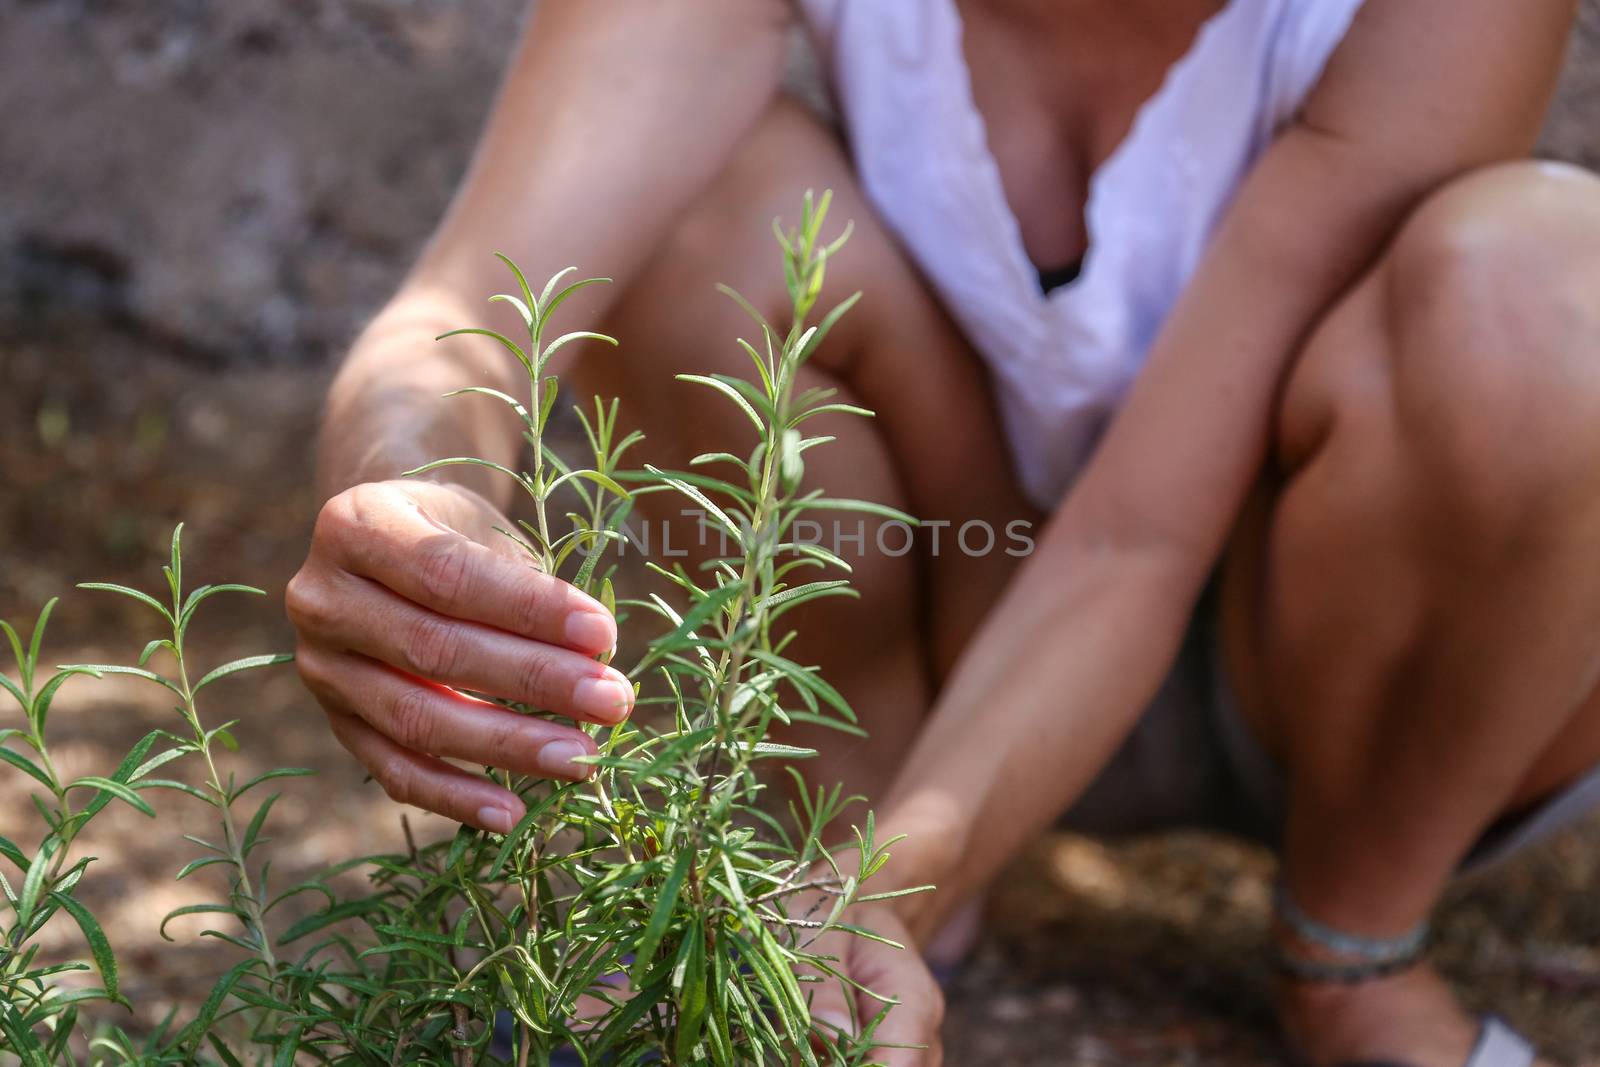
608,697
558,758
497,819
591,630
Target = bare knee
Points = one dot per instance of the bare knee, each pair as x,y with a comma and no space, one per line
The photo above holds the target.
897,332
1491,315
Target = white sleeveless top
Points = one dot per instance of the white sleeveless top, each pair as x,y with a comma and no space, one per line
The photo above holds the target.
1061,362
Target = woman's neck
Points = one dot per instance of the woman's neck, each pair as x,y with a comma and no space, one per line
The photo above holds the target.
1115,17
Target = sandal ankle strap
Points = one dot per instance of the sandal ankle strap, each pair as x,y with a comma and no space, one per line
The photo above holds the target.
1369,957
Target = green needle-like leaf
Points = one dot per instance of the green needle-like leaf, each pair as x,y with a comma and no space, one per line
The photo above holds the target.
661,917
116,789
246,664
99,947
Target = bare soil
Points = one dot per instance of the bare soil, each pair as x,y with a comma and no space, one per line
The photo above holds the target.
1145,954
200,203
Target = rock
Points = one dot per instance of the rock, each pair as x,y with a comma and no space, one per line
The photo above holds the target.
246,182
203,170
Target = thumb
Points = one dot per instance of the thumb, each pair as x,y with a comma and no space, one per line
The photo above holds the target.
907,1034
830,1008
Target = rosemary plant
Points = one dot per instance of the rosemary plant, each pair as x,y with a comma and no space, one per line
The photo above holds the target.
32,1003
663,911
38,1014
246,901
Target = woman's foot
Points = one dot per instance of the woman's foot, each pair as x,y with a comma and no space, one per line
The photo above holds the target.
1411,1018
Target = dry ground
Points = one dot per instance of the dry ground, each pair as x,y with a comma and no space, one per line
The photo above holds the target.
1143,954
192,192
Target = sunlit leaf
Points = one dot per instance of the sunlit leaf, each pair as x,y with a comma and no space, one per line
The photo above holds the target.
245,664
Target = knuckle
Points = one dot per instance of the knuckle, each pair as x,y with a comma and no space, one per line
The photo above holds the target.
361,502
338,517
303,600
442,568
411,719
296,596
510,733
534,676
397,782
531,603
346,730
311,666
433,647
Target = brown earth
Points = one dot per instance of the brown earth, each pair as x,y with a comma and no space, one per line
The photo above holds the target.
1143,954
199,203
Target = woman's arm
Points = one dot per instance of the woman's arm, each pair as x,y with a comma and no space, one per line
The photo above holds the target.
1420,91
613,116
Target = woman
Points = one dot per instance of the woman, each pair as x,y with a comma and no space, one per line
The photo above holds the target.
1250,297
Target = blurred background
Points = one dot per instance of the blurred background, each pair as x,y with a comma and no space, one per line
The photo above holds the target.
200,203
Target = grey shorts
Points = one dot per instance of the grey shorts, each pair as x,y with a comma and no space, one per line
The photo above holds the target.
1192,762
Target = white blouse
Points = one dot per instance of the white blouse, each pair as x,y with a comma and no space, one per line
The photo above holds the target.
1062,361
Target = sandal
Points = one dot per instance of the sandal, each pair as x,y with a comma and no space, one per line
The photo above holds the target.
1498,1046
1367,958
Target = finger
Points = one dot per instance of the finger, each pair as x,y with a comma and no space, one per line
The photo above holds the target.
424,718
383,626
412,778
912,1022
401,547
910,1027
830,1008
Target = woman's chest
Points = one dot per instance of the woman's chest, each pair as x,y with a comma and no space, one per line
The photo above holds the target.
1059,86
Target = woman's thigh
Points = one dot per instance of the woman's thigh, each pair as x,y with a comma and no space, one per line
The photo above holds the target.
935,448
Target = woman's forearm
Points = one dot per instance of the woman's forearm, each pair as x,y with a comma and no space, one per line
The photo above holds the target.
613,117
1091,625
1038,705
384,414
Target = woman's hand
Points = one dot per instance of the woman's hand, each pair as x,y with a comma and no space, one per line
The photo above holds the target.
408,595
899,974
